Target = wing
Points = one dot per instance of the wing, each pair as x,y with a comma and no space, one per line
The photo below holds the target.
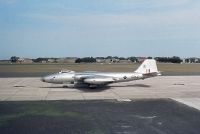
94,79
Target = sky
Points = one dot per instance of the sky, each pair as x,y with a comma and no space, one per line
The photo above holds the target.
80,28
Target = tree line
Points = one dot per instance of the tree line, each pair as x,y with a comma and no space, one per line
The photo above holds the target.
86,60
173,59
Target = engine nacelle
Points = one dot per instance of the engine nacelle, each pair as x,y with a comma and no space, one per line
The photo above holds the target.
98,80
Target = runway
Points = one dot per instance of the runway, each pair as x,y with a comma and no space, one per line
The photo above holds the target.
184,89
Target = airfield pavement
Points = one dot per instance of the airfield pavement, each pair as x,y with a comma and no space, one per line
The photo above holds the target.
184,89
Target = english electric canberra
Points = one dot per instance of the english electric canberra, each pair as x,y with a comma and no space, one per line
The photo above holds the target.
95,79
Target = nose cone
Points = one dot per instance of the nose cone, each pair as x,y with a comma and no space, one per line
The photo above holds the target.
49,79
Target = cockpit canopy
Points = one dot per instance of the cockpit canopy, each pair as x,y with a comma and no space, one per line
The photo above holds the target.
66,71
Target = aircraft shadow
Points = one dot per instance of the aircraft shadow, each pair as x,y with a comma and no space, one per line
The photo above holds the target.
84,89
134,85
98,89
53,87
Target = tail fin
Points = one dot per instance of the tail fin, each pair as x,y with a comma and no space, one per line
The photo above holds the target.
147,67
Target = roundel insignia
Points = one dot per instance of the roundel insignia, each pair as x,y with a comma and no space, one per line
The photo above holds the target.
125,77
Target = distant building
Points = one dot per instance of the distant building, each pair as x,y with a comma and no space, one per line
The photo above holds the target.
5,61
197,60
184,60
100,60
67,60
51,60
125,61
191,60
107,60
43,61
24,60
114,60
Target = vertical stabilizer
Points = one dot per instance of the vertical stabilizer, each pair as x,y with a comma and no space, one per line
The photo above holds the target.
147,67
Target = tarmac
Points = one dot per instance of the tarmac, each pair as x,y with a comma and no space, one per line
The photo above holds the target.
184,89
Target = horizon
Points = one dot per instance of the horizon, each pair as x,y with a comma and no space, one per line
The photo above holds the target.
99,28
101,57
